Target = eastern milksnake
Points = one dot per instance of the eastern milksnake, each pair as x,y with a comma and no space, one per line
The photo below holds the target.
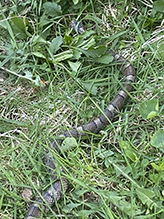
55,191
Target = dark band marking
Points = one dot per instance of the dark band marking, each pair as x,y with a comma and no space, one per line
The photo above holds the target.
130,74
121,95
49,194
100,120
117,56
124,67
109,111
66,134
130,80
93,121
113,105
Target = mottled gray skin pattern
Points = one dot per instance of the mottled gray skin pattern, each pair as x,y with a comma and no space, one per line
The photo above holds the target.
55,191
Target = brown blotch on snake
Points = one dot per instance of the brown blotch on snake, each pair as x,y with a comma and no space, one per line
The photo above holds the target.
56,190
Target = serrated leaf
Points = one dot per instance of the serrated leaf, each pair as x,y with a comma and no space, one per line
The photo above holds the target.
30,76
146,196
37,81
149,109
157,139
55,44
52,9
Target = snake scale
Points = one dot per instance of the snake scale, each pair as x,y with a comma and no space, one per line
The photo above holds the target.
55,191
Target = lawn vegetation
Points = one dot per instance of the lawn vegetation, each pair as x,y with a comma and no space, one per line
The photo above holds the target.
52,79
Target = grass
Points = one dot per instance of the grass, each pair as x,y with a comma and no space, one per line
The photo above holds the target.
48,85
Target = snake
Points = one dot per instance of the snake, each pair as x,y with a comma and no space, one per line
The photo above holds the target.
60,186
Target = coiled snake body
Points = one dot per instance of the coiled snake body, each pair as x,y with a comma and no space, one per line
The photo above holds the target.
55,191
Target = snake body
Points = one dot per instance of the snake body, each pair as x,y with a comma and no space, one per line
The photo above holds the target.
56,190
